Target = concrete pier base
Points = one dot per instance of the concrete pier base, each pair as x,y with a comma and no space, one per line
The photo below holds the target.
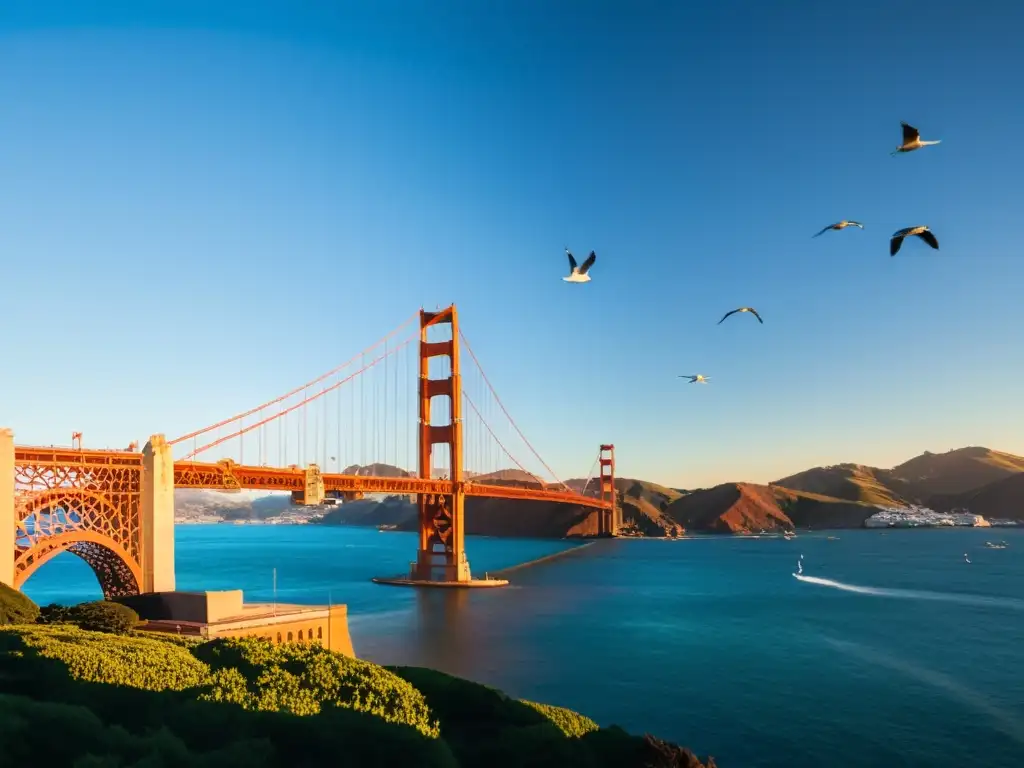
405,581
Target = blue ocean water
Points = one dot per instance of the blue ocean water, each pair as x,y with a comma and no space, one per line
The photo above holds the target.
893,651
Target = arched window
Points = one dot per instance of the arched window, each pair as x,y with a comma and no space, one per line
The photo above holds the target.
289,637
300,635
278,637
319,633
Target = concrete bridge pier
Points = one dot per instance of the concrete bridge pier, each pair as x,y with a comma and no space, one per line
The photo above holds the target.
6,507
157,511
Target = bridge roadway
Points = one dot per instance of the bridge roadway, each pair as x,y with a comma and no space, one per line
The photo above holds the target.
226,475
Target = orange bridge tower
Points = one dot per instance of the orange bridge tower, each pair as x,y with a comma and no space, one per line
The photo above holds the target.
442,550
611,518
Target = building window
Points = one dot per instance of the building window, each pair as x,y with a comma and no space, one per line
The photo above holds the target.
319,633
279,637
300,635
289,637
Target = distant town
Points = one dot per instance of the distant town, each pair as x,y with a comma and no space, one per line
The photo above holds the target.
922,517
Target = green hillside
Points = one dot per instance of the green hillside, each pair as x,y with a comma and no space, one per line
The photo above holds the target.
146,700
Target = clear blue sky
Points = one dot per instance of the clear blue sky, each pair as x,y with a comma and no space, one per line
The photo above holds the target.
200,209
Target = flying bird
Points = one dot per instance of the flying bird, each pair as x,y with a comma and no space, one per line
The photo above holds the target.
578,274
751,310
841,225
696,378
912,140
923,232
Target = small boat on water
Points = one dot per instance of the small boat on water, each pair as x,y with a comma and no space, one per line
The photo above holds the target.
996,544
788,535
386,527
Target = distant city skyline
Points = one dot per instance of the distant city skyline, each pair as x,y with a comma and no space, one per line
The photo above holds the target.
204,208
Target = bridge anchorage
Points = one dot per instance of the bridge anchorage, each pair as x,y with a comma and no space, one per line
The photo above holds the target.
115,508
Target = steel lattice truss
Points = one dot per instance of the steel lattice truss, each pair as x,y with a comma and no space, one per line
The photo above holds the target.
85,502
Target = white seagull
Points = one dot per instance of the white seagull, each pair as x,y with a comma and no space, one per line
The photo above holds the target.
912,140
751,310
923,232
696,378
840,225
578,274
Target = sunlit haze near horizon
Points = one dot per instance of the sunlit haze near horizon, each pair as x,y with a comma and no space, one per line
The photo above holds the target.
202,209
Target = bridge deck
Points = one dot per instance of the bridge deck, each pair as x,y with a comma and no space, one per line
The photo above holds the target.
228,476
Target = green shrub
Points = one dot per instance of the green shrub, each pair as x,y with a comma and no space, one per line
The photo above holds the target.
53,614
138,662
16,608
155,700
572,724
303,678
103,616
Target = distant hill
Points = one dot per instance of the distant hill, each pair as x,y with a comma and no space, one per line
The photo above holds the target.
851,482
1003,499
751,508
959,471
916,481
194,503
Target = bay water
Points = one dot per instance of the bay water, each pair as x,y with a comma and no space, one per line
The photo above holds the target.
891,649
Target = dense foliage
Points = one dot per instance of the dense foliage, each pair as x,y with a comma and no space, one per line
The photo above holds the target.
97,616
144,700
16,608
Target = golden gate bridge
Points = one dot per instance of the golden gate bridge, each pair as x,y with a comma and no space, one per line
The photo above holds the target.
405,416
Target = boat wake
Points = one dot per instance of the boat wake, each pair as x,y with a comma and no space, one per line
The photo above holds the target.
916,594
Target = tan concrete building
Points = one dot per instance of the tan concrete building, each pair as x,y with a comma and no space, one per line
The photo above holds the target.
224,614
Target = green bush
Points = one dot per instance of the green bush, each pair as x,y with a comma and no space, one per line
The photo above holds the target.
154,700
302,678
138,662
16,608
54,614
571,723
103,616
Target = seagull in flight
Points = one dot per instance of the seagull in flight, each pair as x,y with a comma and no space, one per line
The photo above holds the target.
751,310
912,140
923,232
841,225
696,378
578,274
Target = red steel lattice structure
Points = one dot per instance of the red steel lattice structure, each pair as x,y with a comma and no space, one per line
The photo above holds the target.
89,502
85,502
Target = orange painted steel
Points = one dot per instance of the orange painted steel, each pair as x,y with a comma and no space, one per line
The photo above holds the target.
226,475
442,544
84,502
608,523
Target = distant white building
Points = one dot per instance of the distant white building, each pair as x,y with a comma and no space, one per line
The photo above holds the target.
921,517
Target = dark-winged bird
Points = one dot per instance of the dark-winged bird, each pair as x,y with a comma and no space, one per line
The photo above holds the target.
579,274
912,140
841,225
751,310
696,378
923,232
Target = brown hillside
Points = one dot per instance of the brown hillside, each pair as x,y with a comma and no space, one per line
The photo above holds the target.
730,508
1003,499
851,482
749,508
510,476
958,471
814,511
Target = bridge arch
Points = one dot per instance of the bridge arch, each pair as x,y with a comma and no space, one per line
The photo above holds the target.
92,526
